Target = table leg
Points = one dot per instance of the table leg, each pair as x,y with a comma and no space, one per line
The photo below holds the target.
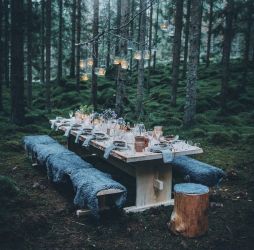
153,187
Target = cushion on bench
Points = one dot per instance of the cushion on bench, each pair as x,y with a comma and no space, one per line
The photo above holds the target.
59,167
32,140
43,151
197,172
87,183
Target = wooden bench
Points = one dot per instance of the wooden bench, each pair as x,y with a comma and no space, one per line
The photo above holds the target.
62,162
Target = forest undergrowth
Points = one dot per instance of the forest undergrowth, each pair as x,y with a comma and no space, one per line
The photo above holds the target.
34,214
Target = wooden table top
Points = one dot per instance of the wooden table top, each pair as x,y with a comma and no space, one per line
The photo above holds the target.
128,156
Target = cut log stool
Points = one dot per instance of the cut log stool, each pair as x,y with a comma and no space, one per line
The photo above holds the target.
190,214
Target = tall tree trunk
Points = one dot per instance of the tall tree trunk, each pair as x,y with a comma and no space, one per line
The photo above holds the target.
48,54
132,33
95,51
227,40
29,53
6,44
17,62
209,35
78,41
156,34
186,41
118,24
1,56
60,45
150,48
177,49
108,38
191,93
142,37
122,73
73,38
247,38
42,71
200,31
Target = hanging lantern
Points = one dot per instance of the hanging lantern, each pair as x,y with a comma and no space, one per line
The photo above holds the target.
124,64
101,71
89,61
82,64
137,55
84,77
164,25
117,60
146,55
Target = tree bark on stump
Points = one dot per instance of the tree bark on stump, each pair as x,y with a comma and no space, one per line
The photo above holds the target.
190,215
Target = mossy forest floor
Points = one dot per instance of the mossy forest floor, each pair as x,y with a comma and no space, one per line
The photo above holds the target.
34,214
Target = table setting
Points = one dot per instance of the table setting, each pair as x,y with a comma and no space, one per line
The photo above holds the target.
114,134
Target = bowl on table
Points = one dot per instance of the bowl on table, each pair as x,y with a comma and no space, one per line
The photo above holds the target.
100,136
120,145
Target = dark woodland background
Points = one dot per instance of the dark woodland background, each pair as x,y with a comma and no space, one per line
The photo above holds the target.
198,83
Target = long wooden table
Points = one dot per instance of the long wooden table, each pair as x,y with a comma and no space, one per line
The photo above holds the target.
153,177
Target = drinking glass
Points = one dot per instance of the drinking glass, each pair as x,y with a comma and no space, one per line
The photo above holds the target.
158,132
71,113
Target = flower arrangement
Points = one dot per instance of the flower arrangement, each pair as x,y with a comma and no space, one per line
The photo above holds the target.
86,109
109,114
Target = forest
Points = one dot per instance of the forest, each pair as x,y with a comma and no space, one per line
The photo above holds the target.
185,65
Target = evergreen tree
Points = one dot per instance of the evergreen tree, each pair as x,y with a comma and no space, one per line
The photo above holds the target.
191,92
17,62
176,49
48,54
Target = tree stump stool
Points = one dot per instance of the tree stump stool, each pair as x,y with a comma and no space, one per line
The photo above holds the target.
190,214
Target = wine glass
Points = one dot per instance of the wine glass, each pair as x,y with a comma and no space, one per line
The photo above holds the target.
71,113
158,132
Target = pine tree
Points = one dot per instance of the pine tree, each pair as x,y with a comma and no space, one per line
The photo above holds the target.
247,39
6,43
42,70
48,54
209,35
95,51
17,62
73,38
78,41
1,56
176,49
108,38
186,41
122,73
191,92
142,37
227,40
60,45
29,53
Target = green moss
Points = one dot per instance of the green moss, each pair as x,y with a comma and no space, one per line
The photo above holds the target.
220,138
8,188
249,139
197,132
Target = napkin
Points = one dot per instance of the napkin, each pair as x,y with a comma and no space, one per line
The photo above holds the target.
167,154
78,135
108,150
87,141
53,124
68,130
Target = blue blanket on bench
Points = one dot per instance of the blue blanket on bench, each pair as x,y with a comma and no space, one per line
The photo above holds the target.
197,172
61,163
91,181
61,167
32,140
